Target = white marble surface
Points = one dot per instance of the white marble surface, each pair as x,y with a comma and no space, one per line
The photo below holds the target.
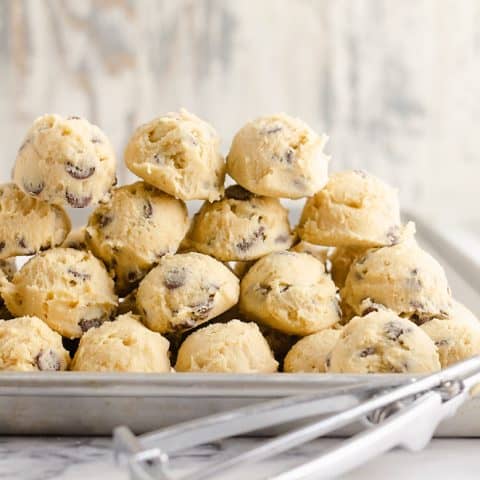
91,458
32,458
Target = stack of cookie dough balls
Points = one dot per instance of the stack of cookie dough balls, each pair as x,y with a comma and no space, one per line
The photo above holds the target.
236,288
398,314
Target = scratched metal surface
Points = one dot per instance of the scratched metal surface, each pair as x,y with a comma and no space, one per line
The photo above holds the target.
394,83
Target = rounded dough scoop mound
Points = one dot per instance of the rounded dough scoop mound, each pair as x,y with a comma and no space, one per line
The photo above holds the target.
310,353
354,209
403,278
179,154
318,251
291,292
124,345
184,291
137,227
341,260
240,227
27,344
382,342
68,289
457,337
279,156
76,239
67,161
233,347
28,225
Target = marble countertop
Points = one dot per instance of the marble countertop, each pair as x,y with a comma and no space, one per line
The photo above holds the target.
80,458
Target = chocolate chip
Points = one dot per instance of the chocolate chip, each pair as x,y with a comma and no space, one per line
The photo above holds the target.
442,343
33,188
73,118
367,351
184,325
201,310
370,309
104,220
283,238
393,331
147,209
284,288
86,324
77,202
47,360
393,235
79,275
174,278
236,192
79,173
288,157
328,361
414,272
246,243
158,158
21,242
417,305
115,181
96,140
2,245
273,129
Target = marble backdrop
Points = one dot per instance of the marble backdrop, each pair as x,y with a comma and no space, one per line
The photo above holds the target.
395,83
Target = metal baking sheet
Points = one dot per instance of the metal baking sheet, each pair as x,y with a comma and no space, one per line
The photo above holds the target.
71,403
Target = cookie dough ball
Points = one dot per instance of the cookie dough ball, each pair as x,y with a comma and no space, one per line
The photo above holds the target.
67,161
310,353
290,292
233,347
124,345
68,289
279,156
457,337
382,342
27,344
318,251
28,225
76,239
355,209
184,291
403,278
179,154
341,260
137,227
240,227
